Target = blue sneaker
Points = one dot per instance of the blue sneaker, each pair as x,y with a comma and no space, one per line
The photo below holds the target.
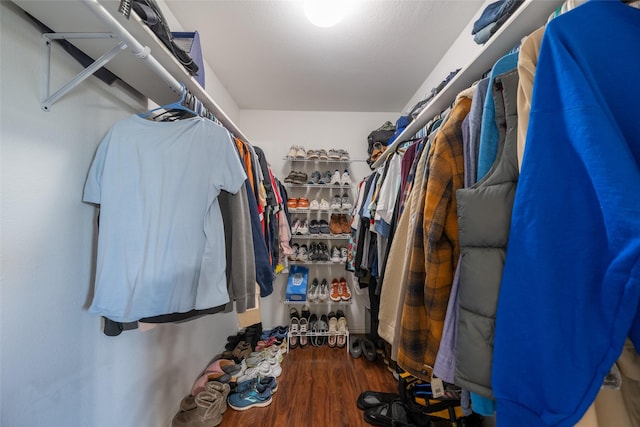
258,383
250,398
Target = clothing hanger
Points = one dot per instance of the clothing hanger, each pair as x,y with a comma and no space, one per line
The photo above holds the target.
180,105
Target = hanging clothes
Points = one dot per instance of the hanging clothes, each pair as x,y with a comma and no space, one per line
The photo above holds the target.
571,271
160,248
427,292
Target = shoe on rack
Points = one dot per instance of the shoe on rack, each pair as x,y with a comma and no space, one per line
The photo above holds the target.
333,154
335,254
345,224
324,205
344,202
292,203
301,152
325,178
312,253
323,294
333,329
345,293
334,224
325,250
293,151
303,228
313,227
295,226
299,178
303,203
312,294
305,326
345,178
314,205
289,178
314,178
250,398
343,253
336,202
342,330
324,227
322,154
294,327
335,293
294,256
312,154
336,178
344,155
303,253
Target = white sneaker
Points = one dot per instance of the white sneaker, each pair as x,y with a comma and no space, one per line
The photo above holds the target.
346,204
295,226
336,202
343,254
303,228
303,253
336,178
324,205
314,205
335,254
345,178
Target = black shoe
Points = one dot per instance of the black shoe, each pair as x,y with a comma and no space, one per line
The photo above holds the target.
388,414
369,350
370,399
355,348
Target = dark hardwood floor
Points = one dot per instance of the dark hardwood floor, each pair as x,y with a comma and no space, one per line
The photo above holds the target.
318,387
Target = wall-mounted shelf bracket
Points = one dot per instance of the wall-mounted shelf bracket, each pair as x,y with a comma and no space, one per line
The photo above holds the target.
50,99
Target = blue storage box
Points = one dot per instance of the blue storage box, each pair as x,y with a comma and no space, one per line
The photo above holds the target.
190,43
297,283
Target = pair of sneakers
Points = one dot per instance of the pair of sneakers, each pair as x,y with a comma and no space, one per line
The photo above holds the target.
300,253
319,251
339,254
341,202
343,179
322,205
318,291
300,227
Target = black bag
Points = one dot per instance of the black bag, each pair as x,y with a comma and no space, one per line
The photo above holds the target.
150,13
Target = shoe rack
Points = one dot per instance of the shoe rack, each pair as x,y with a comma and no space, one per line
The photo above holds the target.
320,269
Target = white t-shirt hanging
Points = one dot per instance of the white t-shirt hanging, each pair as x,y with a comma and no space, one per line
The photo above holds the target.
161,236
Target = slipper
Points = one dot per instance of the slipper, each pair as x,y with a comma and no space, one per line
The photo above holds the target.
370,399
355,348
388,414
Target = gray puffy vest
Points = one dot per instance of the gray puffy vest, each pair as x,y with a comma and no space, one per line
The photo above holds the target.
484,217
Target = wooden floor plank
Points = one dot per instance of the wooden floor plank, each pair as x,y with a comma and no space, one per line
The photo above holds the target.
318,387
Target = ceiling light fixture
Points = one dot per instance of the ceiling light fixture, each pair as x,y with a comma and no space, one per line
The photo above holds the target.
325,13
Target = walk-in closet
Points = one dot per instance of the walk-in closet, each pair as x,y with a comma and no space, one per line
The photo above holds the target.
319,213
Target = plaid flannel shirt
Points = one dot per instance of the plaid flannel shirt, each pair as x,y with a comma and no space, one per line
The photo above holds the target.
435,250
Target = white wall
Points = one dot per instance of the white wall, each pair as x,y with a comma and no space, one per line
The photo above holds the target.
275,132
57,367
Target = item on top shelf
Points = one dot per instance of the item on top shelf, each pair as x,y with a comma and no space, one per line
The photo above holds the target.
312,154
333,154
324,205
345,203
344,155
301,153
303,203
322,154
345,178
297,283
314,178
336,178
314,205
336,202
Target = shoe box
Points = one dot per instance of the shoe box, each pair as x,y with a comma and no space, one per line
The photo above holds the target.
297,283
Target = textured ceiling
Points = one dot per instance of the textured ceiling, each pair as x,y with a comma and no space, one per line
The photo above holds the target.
269,56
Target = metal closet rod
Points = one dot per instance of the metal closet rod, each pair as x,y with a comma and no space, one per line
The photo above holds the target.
144,53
